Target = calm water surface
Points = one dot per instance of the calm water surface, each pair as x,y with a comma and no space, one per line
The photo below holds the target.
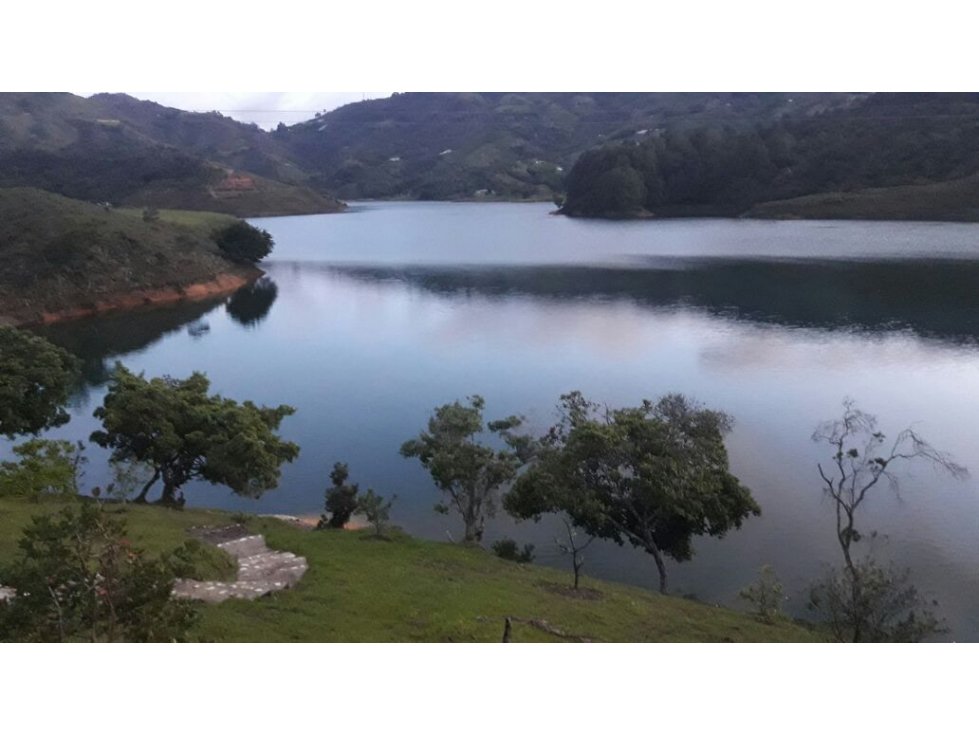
371,318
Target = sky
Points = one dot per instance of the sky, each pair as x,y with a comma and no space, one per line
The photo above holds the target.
266,109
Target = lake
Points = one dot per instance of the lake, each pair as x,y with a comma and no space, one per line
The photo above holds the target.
370,319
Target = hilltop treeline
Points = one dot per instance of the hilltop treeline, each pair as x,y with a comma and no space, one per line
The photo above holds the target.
887,140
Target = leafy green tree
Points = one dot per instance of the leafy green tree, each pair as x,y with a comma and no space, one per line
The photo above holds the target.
36,379
44,467
182,433
78,578
654,476
341,499
467,472
242,241
376,509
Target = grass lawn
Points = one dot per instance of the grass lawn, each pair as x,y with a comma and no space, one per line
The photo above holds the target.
210,221
411,590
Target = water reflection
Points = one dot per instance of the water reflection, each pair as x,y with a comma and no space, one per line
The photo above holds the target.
251,304
99,342
932,298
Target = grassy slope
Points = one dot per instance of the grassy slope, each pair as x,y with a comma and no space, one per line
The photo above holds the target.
154,529
129,152
268,199
945,201
361,589
58,253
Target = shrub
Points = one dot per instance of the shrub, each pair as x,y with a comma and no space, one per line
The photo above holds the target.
44,467
869,603
242,241
508,551
765,595
78,578
340,501
376,510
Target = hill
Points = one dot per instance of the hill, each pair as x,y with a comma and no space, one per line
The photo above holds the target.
501,146
884,156
358,589
60,257
118,149
954,201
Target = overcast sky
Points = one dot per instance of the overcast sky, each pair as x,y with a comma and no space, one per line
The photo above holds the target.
266,109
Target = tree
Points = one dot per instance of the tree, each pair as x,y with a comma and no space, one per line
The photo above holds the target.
865,598
860,461
36,379
654,476
182,433
869,603
44,466
242,241
765,595
376,509
341,499
536,496
78,578
469,473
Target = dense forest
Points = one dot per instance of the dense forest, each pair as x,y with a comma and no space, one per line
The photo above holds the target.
886,140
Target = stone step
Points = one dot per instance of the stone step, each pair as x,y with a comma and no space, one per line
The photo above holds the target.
250,545
261,571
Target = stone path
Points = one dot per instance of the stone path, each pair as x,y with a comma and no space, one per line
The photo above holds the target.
260,571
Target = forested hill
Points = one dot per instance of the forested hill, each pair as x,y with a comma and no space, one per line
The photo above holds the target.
509,146
118,149
61,257
893,156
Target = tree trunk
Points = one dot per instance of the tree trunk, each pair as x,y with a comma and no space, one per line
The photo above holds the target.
169,496
507,629
577,570
661,567
141,497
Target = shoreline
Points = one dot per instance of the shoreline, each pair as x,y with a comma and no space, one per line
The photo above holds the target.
223,284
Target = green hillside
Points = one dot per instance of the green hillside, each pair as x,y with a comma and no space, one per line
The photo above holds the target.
58,254
496,145
889,156
956,201
117,149
359,589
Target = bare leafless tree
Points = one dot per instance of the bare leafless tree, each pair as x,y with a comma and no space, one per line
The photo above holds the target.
866,601
862,460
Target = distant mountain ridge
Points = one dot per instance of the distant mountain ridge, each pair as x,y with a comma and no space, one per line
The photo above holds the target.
500,145
613,154
118,149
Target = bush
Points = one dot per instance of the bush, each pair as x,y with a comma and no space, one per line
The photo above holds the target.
241,241
341,499
78,578
507,550
44,467
376,510
873,604
765,595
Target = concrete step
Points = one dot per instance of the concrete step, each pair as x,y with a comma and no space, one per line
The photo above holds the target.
261,571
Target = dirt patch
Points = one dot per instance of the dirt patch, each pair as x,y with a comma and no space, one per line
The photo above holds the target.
579,593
